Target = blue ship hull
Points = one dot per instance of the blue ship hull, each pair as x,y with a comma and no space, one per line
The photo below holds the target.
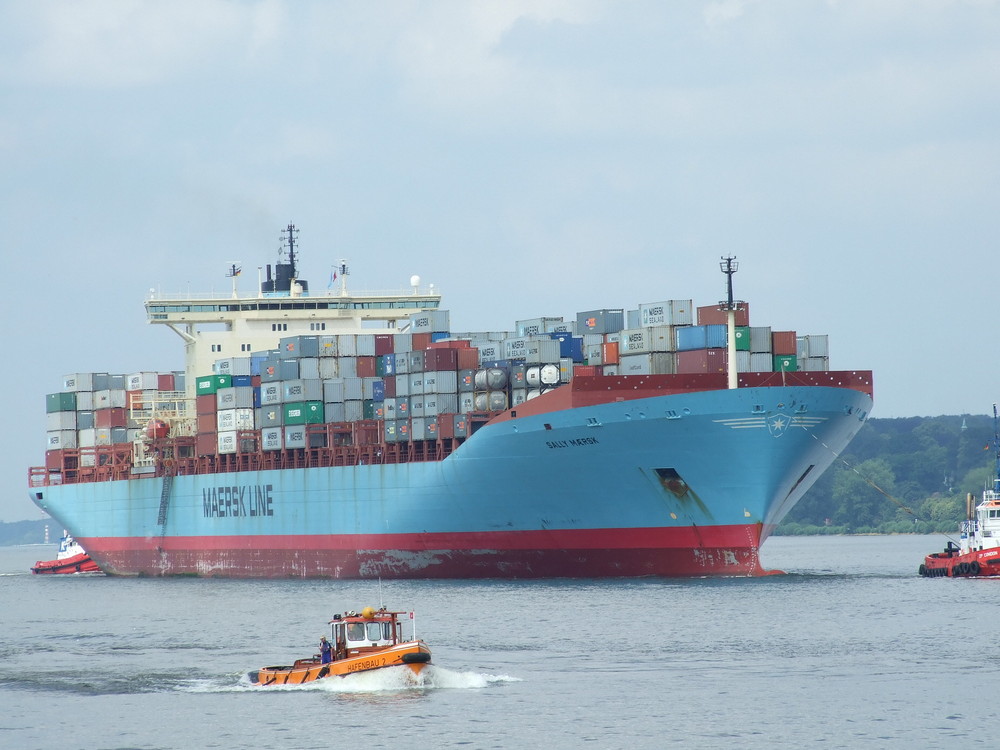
674,485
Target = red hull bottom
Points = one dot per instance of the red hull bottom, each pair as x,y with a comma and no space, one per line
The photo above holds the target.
721,551
978,563
75,564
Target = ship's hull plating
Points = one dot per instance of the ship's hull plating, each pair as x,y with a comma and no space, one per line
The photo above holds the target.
679,485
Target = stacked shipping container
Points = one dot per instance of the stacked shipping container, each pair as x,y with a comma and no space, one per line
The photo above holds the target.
420,384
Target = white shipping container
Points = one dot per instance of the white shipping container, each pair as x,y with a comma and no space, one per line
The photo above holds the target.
402,385
761,362
415,384
235,419
518,396
84,401
270,393
534,326
402,343
60,420
675,312
86,438
417,405
543,351
333,391
812,346
295,436
760,341
102,436
328,346
270,438
347,367
113,398
743,361
309,368
655,363
365,345
430,321
142,381
353,410
466,402
347,345
328,368
79,381
227,442
646,340
353,390
335,412
814,364
490,351
60,440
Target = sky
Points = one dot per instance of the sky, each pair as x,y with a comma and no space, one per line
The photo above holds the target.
529,158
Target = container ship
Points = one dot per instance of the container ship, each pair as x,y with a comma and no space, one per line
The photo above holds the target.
357,435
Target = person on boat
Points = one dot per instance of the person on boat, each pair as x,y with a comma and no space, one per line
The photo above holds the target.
325,652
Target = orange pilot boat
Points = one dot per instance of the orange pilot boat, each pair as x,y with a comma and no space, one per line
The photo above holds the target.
373,639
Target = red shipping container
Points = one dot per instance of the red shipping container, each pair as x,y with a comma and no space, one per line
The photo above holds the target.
586,370
438,360
609,352
384,344
207,423
701,361
206,443
783,342
255,381
420,341
54,459
712,315
468,359
446,426
366,367
205,404
390,387
113,417
165,381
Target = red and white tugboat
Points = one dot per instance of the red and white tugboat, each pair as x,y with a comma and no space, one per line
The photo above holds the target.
978,550
71,558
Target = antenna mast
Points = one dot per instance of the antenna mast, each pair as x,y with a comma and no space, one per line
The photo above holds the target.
729,266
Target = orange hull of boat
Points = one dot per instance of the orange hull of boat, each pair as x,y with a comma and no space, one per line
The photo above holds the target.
414,654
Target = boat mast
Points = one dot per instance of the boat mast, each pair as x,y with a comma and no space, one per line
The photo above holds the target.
729,266
996,449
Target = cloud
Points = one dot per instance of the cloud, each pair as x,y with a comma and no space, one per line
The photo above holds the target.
128,43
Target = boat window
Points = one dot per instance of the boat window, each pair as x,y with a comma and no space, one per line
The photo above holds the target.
374,631
356,631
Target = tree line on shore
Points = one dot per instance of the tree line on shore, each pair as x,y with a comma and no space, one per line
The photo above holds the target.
904,475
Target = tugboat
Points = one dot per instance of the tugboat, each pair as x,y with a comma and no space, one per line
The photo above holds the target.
361,642
978,550
71,558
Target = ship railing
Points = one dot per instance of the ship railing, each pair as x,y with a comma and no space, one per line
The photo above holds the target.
969,527
430,292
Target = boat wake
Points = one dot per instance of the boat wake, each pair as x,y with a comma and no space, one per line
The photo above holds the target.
378,681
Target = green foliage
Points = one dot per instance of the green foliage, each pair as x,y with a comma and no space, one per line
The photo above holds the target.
901,476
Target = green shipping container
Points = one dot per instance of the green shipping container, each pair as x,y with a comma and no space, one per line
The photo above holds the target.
785,363
369,411
742,336
63,401
205,385
212,383
303,412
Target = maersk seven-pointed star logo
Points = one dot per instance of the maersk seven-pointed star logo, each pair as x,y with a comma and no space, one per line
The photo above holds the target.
777,424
